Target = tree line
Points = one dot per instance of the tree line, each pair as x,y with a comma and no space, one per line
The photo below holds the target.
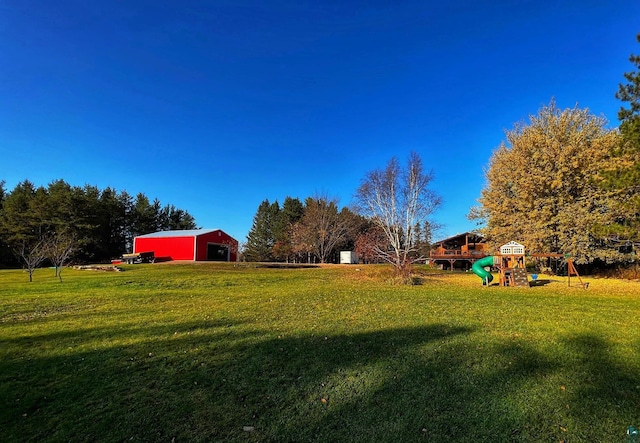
316,230
83,224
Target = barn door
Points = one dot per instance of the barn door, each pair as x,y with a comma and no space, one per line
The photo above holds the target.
216,252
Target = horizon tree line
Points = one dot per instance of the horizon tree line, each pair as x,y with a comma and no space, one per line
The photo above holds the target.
316,230
96,224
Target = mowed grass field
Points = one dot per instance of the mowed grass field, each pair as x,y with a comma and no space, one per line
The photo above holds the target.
217,352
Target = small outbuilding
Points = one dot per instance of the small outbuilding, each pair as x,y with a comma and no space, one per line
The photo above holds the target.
349,258
194,244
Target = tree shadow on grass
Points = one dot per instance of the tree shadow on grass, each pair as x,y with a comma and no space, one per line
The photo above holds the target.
223,381
190,381
604,382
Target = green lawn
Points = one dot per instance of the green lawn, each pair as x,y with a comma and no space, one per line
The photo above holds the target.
216,352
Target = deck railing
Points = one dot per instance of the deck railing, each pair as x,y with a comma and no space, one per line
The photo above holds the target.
457,253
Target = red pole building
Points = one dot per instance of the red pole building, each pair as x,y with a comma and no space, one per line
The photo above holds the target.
194,245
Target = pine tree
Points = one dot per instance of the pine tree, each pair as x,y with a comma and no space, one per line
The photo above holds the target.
630,93
292,210
260,240
101,223
5,251
623,174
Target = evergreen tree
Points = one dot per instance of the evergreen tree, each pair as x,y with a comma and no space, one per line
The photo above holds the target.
5,251
111,233
292,211
422,240
18,222
86,223
101,224
178,219
145,215
630,117
623,173
22,224
260,240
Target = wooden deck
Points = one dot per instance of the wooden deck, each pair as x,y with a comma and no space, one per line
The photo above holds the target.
452,254
459,251
455,259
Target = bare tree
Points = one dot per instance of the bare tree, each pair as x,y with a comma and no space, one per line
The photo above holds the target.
32,254
59,248
398,200
321,228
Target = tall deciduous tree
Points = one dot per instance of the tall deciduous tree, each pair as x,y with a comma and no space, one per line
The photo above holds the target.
321,228
369,242
543,185
397,199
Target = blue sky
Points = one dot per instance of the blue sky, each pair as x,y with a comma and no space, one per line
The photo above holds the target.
214,106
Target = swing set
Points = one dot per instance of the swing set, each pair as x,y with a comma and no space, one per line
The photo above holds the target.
510,264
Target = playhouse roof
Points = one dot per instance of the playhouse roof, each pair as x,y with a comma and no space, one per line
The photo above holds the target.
512,243
512,248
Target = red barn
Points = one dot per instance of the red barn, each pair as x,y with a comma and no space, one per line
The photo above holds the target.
195,244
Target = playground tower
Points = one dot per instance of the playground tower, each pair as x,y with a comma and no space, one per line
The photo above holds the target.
510,263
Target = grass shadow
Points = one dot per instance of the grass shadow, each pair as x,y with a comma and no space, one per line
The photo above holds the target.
224,381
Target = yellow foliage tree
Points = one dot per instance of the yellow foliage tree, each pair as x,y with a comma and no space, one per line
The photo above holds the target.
543,185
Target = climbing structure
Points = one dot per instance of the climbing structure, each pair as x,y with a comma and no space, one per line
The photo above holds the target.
510,264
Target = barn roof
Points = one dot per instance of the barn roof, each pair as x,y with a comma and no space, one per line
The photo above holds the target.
178,233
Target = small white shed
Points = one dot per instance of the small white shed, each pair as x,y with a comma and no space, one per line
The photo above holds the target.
348,258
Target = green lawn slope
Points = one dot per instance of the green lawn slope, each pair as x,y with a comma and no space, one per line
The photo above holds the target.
217,352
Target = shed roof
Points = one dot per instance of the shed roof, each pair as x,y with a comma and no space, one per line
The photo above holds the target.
179,233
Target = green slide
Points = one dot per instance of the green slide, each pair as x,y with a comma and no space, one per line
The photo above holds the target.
478,269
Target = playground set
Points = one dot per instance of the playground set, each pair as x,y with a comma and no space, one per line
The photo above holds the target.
510,263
